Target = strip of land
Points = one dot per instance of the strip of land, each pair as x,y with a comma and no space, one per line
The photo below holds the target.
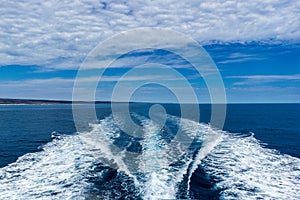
39,101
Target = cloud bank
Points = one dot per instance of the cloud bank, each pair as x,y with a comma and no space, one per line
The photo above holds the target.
59,34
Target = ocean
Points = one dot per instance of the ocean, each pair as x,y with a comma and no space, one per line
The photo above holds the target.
256,155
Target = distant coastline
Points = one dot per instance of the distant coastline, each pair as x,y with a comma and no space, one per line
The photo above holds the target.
42,101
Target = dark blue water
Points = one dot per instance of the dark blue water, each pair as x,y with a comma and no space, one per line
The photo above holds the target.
256,156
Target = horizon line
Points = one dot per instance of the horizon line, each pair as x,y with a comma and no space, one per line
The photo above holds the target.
59,101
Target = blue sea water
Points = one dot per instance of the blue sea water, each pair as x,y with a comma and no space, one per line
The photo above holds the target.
255,156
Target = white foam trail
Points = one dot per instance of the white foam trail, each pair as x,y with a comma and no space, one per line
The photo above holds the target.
152,176
100,140
152,158
154,164
203,133
162,178
155,175
246,170
209,137
57,172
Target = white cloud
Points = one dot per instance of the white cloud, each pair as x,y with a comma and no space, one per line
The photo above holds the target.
259,79
270,77
129,78
55,83
53,88
59,34
239,57
62,88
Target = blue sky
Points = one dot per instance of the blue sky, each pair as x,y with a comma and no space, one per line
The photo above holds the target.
255,45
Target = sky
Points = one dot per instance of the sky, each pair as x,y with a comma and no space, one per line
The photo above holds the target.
255,46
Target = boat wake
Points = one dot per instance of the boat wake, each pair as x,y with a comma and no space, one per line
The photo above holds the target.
244,169
58,171
107,163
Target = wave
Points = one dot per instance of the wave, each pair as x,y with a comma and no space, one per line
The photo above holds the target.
244,169
56,171
158,168
106,163
165,165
